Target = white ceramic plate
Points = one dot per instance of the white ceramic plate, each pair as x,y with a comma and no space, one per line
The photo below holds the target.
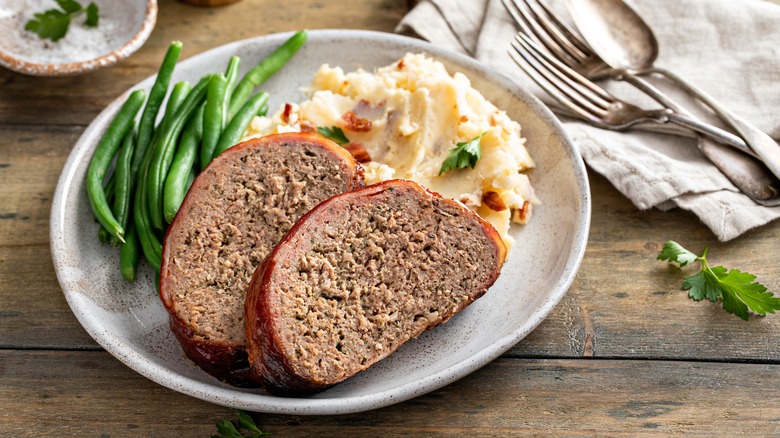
129,321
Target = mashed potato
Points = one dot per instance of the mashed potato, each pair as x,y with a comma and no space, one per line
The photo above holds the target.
408,116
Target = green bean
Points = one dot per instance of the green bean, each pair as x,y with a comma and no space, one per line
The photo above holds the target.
150,244
153,104
267,67
123,186
166,148
231,74
103,235
190,179
128,254
262,111
238,125
182,166
214,118
102,158
178,95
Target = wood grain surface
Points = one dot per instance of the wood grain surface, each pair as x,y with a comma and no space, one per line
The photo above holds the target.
625,353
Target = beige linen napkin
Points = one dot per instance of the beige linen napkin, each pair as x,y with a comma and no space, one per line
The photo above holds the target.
730,48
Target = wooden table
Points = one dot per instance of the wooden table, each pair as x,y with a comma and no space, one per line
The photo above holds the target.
625,352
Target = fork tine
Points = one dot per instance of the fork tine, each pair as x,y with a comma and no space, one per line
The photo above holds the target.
584,87
525,18
514,12
560,91
527,66
543,25
564,34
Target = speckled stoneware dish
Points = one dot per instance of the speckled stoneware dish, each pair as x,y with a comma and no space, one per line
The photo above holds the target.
129,321
123,27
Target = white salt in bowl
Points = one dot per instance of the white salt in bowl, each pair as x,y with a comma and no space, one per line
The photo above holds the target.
123,27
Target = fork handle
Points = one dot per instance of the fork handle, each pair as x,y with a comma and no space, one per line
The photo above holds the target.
724,137
762,144
687,119
652,91
749,174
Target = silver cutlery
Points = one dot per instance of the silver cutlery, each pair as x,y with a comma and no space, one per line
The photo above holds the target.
536,19
623,40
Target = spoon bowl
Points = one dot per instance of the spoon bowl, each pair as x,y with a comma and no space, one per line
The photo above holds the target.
616,33
624,40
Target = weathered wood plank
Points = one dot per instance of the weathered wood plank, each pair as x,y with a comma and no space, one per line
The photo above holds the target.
623,302
77,100
33,311
31,160
507,397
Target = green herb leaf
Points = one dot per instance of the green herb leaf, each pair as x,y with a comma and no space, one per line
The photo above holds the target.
738,290
699,288
227,430
69,6
743,287
465,154
245,421
52,24
333,133
92,16
674,252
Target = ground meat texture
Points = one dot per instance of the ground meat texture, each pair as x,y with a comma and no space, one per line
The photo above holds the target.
360,275
234,214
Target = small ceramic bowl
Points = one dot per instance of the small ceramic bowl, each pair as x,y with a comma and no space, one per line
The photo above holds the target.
123,27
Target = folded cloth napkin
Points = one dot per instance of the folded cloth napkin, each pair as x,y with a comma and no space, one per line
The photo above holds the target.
728,48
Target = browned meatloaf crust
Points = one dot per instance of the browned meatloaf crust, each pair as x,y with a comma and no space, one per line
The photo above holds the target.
360,275
235,212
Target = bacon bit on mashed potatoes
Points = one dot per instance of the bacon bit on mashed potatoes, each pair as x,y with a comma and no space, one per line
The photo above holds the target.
406,117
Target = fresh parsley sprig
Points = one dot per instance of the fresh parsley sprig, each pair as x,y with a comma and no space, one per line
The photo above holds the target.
738,290
333,133
227,429
464,154
53,23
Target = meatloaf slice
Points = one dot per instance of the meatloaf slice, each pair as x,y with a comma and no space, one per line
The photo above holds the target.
360,275
237,209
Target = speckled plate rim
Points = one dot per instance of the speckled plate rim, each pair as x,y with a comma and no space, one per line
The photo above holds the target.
326,406
75,68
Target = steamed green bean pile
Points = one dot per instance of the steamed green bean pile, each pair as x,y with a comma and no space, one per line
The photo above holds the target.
140,172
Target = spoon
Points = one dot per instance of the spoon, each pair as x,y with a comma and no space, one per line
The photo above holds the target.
624,41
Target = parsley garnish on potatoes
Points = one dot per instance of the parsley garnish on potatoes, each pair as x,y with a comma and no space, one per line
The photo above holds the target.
333,133
464,154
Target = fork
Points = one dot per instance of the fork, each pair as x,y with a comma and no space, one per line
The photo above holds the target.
600,108
538,21
595,104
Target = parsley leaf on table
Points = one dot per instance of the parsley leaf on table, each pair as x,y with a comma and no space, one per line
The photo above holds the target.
738,290
333,133
53,23
227,429
464,154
